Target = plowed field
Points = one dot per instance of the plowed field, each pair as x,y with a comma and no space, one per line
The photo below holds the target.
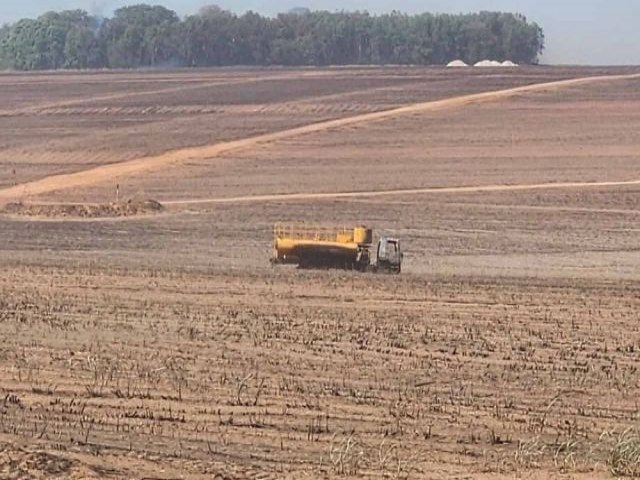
159,343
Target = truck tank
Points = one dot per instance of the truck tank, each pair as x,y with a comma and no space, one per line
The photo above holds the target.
319,246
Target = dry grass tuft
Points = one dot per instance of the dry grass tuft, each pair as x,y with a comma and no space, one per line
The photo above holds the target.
624,456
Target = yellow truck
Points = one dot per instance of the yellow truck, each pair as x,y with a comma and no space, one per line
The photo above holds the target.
313,246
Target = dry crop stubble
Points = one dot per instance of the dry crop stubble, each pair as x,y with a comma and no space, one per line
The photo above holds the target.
167,347
299,382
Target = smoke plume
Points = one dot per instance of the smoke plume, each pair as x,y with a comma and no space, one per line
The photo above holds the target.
98,8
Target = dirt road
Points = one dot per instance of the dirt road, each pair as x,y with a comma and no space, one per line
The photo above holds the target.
118,170
404,192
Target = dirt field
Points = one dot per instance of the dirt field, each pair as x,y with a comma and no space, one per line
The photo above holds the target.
158,342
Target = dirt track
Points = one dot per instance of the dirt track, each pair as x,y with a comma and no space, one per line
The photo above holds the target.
413,191
117,170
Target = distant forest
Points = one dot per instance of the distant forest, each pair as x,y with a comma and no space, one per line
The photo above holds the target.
153,36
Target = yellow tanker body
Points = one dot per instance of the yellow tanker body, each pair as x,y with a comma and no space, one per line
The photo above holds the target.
316,246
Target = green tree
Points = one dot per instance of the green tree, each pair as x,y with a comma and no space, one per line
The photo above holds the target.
82,49
140,36
52,41
5,31
253,36
27,46
208,38
147,36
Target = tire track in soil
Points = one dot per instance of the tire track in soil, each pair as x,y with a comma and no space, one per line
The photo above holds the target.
132,167
275,109
46,108
314,104
549,208
410,191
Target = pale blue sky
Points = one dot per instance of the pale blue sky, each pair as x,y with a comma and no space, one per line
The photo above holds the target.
596,32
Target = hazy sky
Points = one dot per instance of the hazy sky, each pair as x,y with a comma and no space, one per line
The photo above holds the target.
595,32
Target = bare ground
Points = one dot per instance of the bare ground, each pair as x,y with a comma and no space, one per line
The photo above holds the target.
165,347
137,166
274,373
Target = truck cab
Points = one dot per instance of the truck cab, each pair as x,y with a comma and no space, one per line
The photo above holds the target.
389,255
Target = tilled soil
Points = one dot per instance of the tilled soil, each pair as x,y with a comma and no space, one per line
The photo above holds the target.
279,372
145,345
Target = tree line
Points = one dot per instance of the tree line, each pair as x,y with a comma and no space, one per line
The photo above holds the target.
154,36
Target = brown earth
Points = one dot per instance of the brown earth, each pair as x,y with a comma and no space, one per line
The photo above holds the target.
112,172
127,208
164,346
